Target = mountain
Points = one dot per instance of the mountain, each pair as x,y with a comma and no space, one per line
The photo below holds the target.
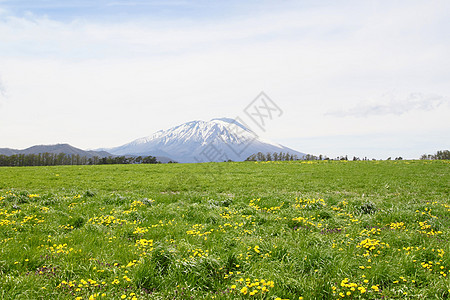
56,149
201,141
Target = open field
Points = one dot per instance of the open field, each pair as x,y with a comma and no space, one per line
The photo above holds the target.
317,230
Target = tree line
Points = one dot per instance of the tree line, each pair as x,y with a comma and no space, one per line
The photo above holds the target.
439,155
443,154
275,156
53,159
343,157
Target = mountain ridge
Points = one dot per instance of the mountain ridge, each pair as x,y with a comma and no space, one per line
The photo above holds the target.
195,141
55,149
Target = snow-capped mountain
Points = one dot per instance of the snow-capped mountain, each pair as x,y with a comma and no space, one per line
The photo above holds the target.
201,141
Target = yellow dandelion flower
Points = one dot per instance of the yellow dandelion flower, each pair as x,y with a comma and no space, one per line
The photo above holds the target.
244,290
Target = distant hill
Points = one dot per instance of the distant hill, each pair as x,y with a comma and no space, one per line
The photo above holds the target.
70,150
202,141
55,149
8,151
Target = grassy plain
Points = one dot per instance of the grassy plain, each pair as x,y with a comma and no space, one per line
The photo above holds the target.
317,230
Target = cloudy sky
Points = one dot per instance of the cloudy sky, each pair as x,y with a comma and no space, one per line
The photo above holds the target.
364,78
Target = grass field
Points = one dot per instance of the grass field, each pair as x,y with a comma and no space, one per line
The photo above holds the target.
317,230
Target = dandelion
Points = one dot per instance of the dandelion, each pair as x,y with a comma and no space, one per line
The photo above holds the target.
244,290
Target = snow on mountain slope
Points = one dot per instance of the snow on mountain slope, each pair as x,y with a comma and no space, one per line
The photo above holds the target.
201,141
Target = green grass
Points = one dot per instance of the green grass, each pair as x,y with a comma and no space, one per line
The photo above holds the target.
224,230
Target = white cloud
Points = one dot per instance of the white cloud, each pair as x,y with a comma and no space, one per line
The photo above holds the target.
394,105
3,93
89,40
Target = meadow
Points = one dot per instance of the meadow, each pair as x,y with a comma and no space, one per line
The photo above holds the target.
275,230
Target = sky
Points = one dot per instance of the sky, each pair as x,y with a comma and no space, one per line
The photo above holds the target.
357,78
